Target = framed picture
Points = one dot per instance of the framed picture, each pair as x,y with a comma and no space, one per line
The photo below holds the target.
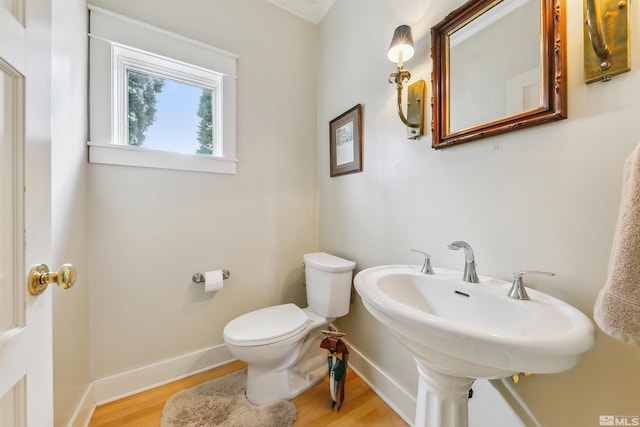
345,142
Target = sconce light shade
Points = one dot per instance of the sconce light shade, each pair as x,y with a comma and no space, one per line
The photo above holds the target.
401,48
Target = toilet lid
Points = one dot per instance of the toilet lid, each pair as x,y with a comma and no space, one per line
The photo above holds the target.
267,325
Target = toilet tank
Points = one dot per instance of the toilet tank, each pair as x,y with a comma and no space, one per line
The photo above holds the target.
328,280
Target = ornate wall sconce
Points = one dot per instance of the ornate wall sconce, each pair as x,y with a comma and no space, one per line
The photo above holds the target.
606,39
401,50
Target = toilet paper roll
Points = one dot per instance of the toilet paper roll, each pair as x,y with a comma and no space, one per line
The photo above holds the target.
213,281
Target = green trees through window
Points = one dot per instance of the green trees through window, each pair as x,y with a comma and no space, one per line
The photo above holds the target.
142,105
186,113
205,129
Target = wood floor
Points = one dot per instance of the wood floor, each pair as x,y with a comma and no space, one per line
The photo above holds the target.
361,407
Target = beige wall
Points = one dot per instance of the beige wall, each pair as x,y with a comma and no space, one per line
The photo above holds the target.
546,199
69,205
151,229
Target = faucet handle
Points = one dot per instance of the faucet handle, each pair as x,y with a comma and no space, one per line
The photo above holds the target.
519,274
426,266
518,290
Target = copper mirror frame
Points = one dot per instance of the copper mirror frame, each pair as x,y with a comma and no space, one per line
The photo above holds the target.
554,75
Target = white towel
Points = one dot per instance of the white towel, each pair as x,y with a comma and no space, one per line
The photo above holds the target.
617,309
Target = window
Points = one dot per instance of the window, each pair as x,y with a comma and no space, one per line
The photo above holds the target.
165,105
158,99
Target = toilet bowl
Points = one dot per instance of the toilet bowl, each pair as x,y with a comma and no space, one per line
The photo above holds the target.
281,343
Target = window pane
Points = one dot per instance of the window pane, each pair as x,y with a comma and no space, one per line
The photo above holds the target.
169,115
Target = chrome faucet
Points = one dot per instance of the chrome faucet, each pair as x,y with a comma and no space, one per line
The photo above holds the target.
426,266
469,274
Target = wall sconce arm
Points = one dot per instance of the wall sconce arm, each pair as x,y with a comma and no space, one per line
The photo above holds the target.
596,34
399,78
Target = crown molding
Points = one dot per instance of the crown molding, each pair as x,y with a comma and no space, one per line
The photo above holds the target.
311,10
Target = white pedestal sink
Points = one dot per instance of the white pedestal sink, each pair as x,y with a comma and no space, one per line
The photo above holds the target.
459,331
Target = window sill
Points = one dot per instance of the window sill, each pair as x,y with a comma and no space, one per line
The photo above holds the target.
139,157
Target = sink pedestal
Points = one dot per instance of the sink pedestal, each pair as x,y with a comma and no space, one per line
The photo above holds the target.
442,399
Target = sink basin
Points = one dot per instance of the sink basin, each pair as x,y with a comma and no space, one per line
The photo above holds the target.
474,329
460,331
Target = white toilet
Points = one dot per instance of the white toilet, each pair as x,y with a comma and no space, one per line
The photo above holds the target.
281,344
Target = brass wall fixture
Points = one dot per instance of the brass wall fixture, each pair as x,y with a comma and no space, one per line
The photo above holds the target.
401,50
606,39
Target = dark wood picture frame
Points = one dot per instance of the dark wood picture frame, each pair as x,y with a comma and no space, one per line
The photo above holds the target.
345,142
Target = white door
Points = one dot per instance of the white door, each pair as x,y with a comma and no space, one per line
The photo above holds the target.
26,393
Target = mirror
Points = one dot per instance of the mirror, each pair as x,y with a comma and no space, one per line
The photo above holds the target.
496,69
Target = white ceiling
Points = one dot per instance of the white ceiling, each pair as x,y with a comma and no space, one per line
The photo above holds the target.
311,10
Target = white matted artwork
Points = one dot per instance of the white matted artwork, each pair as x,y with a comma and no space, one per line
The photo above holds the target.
345,143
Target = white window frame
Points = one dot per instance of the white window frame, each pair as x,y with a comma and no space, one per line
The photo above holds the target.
118,44
127,59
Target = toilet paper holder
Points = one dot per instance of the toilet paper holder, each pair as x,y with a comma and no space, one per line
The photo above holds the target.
199,277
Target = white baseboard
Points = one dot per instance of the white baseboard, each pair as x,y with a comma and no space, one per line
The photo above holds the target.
402,401
141,379
127,383
84,411
118,386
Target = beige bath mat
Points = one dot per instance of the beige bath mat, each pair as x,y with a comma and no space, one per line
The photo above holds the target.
222,402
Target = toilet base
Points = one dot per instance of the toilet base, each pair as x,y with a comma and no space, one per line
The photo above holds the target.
266,385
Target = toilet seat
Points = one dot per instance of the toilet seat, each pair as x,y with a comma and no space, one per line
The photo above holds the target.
266,325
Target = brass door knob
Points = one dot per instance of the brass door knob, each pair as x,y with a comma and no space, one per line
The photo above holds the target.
40,277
